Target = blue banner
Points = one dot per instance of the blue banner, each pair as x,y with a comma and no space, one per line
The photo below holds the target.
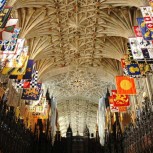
28,74
146,33
133,69
32,93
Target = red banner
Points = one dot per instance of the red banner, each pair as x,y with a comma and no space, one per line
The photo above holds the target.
120,100
123,63
125,85
122,109
137,31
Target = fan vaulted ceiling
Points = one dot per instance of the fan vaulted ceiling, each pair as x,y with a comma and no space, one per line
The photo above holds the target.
77,45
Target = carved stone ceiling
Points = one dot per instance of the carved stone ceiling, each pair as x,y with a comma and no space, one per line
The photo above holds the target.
78,83
77,37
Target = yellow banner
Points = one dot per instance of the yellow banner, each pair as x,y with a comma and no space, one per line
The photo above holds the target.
16,71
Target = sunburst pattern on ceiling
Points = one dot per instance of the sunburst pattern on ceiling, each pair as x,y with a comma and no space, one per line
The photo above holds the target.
78,83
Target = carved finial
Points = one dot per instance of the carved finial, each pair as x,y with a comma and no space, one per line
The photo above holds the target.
58,127
96,127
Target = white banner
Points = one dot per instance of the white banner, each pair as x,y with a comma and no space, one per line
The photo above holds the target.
101,120
135,48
